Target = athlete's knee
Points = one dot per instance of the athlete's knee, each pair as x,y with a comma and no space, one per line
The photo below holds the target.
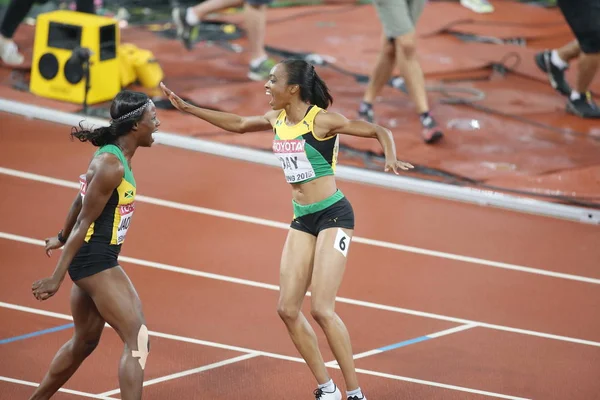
322,313
139,345
85,347
84,344
81,349
288,313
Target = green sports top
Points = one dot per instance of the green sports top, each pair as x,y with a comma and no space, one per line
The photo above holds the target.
112,224
304,156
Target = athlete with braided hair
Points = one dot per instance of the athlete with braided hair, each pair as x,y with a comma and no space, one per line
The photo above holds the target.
92,236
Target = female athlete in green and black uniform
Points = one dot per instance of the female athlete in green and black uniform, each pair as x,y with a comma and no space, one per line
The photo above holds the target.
92,236
315,252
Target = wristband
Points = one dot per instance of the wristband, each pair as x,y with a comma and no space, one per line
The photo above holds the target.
60,237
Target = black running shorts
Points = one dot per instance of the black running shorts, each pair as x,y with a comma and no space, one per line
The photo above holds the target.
333,212
93,258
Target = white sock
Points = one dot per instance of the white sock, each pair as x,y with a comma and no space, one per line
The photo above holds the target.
557,61
328,386
256,62
356,392
191,17
575,95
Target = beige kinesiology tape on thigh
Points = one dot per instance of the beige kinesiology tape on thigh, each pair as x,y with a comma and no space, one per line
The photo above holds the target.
142,343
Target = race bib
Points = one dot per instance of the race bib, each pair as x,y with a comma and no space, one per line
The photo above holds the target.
294,161
82,185
125,214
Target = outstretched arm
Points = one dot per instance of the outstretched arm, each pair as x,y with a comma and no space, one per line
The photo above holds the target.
227,121
329,124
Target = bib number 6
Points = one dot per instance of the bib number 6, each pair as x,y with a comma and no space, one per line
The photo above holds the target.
342,242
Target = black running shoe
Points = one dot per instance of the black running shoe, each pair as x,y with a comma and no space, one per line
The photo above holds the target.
431,132
584,107
367,115
365,111
556,75
184,30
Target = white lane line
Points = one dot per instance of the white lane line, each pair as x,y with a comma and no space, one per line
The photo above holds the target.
281,225
189,372
345,300
272,355
69,391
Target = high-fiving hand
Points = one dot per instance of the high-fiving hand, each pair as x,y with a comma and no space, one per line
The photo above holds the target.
175,100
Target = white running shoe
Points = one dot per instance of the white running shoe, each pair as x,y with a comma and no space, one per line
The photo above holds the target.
320,394
9,53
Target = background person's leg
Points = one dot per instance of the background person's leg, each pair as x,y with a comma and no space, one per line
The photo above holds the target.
15,14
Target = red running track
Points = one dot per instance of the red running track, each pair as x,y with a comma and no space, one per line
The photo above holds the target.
527,334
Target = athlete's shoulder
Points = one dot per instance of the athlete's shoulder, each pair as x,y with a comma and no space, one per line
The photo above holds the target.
324,117
274,115
106,167
107,159
327,124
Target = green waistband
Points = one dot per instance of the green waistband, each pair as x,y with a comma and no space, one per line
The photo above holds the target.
301,209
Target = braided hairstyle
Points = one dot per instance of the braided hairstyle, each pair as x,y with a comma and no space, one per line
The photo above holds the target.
126,109
312,88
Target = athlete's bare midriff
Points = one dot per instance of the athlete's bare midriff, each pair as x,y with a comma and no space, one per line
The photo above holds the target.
314,191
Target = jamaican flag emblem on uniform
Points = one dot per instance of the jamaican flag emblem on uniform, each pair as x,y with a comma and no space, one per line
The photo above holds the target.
129,194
